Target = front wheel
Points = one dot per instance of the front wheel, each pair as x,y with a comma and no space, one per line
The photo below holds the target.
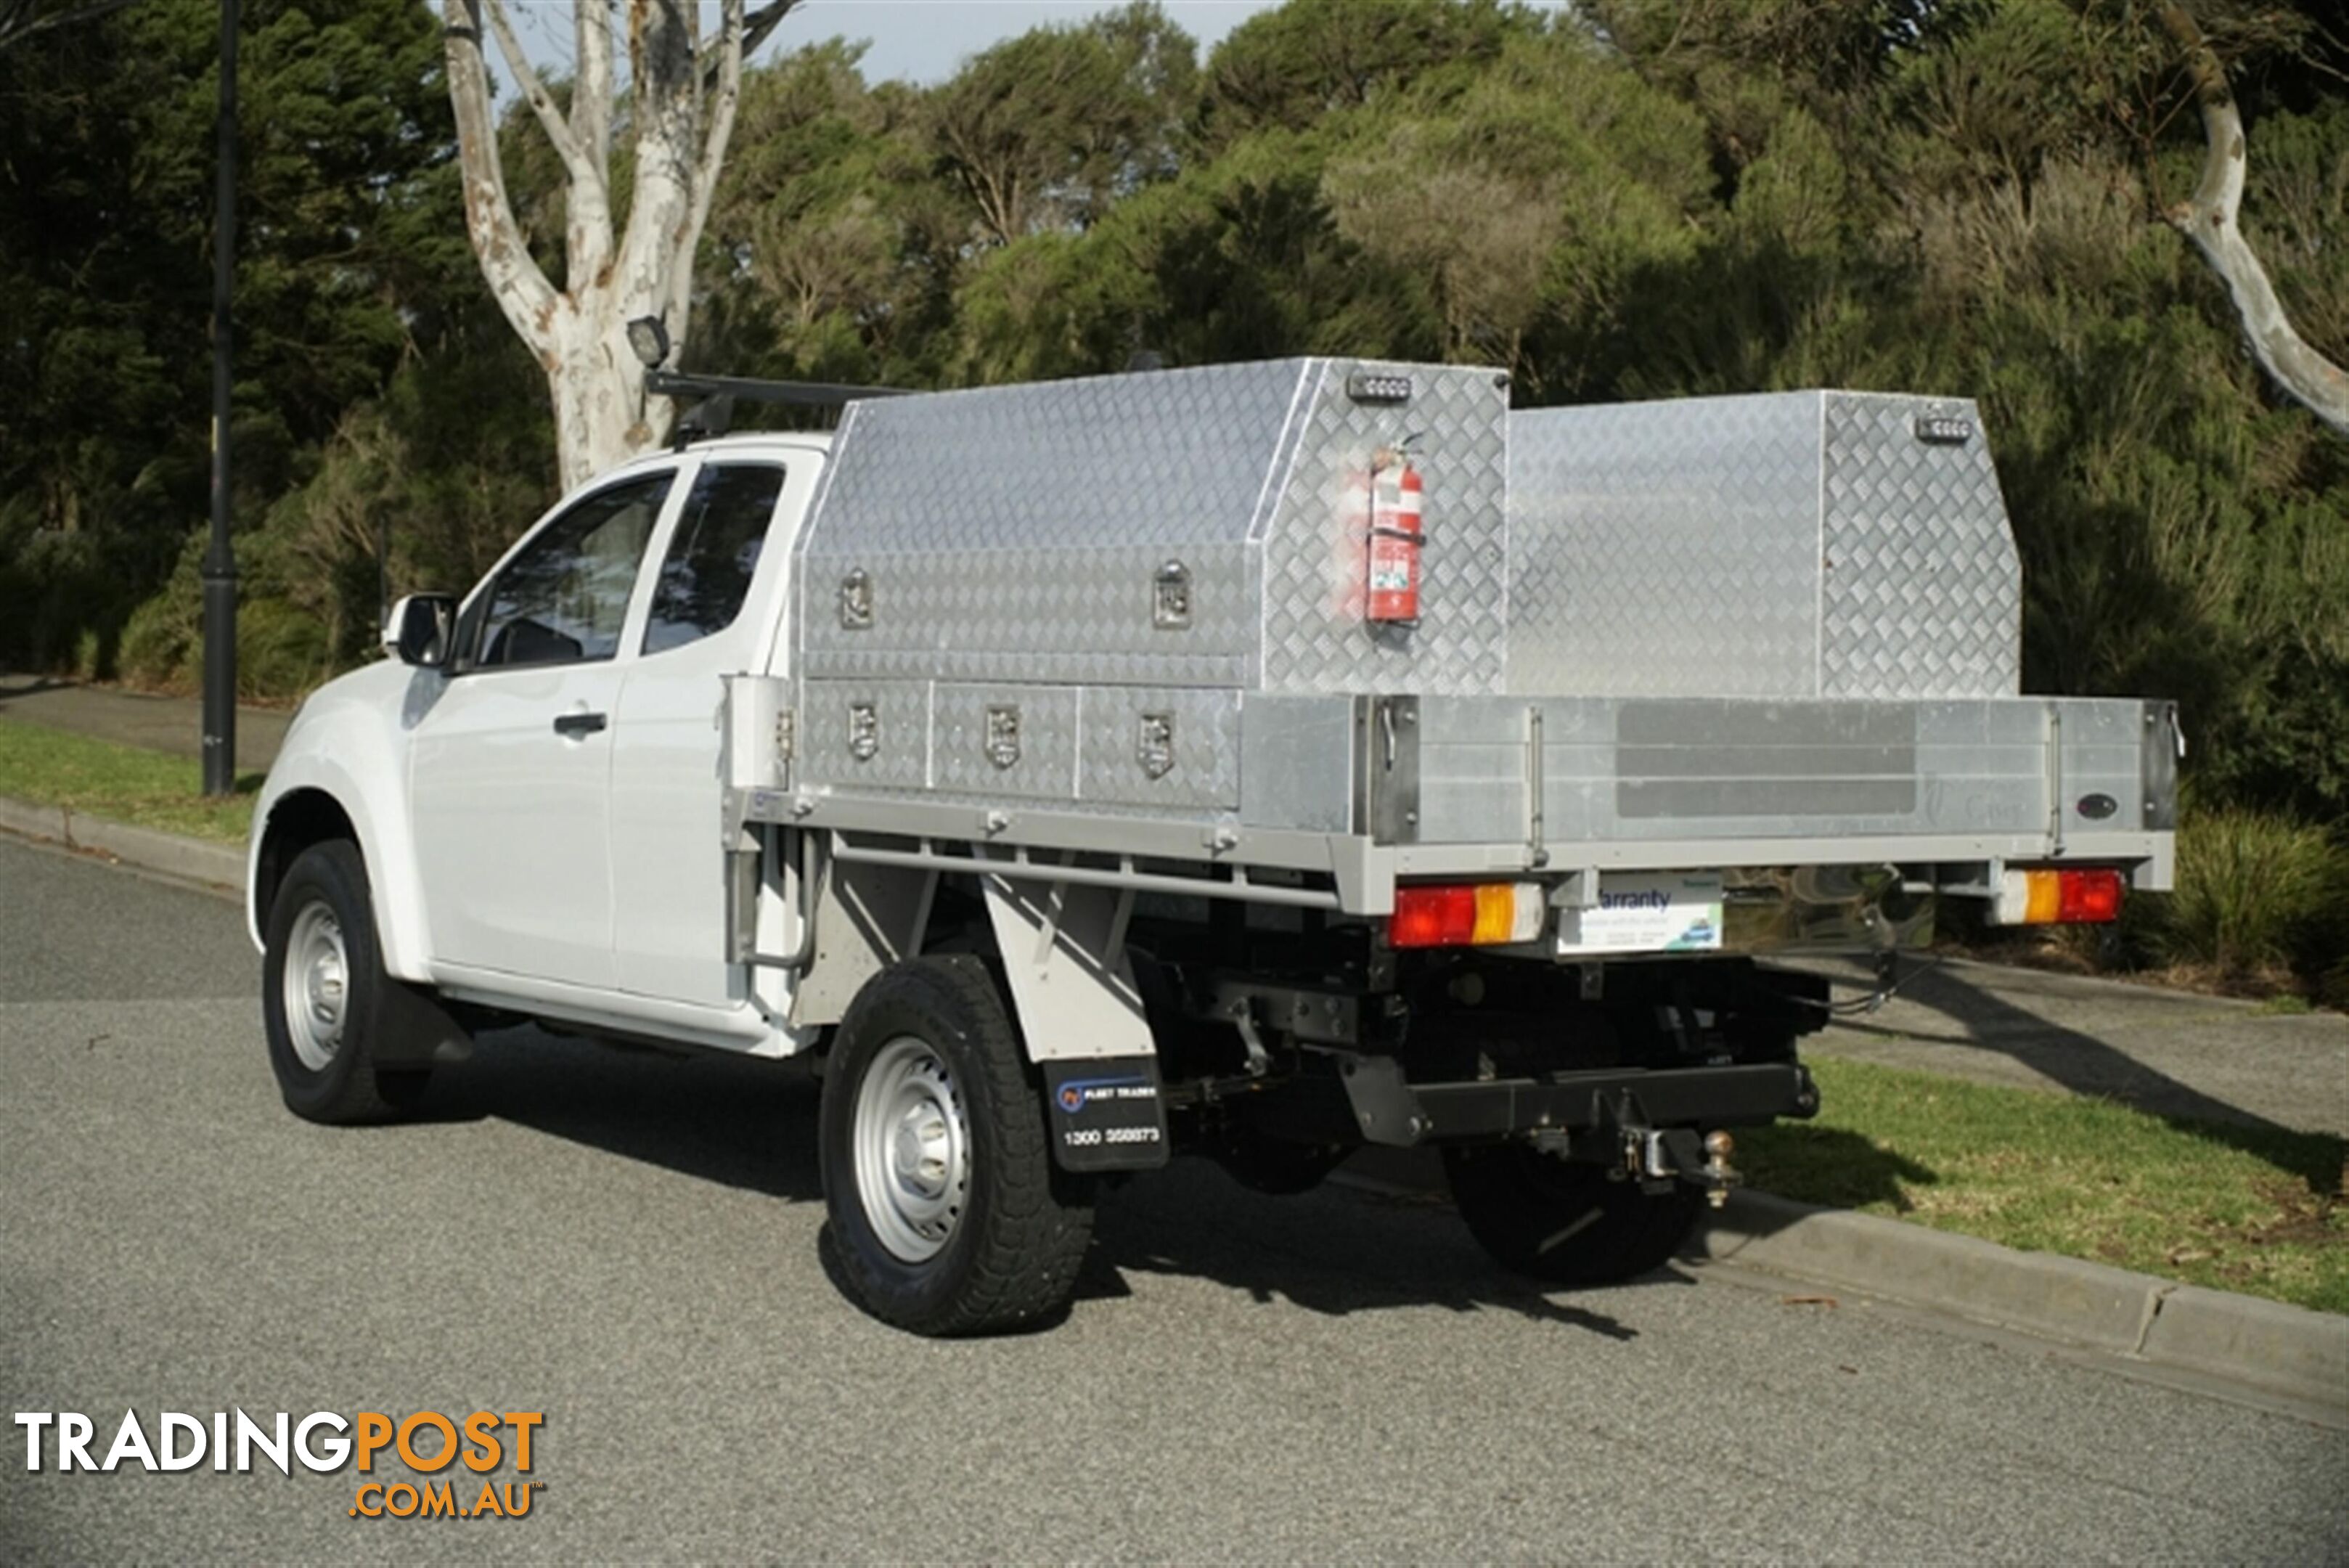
1566,1224
322,991
947,1214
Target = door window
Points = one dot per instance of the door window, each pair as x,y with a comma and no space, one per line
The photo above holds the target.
712,553
563,599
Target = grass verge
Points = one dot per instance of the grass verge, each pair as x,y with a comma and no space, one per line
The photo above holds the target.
2236,1208
56,767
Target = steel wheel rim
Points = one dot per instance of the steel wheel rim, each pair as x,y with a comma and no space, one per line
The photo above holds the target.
316,985
912,1142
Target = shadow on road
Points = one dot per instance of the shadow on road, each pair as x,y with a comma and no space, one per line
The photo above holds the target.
711,1116
752,1125
1334,1250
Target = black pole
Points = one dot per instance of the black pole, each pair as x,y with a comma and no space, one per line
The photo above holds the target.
220,559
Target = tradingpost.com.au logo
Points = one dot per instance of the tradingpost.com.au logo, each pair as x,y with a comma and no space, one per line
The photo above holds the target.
427,1443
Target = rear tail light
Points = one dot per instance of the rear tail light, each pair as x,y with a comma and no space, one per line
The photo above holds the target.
2070,897
2087,898
1467,914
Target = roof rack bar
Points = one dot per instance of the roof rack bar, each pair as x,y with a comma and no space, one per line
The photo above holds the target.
800,394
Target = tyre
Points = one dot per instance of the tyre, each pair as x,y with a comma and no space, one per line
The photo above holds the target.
322,991
1564,1223
948,1216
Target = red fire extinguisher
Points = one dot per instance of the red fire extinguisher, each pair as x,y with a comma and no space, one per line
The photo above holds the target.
1395,538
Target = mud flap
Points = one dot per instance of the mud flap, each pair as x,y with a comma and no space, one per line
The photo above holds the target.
414,1029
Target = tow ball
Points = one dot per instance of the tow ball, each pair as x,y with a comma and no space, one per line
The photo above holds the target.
1658,1156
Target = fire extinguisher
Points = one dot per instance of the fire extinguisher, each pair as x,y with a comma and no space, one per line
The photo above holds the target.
1395,538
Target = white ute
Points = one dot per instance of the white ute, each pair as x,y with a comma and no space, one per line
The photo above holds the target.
1262,761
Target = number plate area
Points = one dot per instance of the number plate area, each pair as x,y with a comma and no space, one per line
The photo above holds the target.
1672,912
1106,1114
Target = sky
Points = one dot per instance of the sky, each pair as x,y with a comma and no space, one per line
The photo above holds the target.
925,40
915,40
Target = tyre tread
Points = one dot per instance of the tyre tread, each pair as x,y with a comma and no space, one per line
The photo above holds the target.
1034,1230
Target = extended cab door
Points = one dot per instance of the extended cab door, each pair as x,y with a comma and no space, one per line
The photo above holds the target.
715,610
511,765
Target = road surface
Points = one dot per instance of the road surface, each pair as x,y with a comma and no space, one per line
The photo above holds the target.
629,1244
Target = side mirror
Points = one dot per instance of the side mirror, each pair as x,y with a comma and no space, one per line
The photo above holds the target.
420,629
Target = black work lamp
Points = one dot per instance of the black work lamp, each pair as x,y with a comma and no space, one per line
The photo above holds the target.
649,338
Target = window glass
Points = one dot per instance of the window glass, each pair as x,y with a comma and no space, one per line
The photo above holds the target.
562,600
712,553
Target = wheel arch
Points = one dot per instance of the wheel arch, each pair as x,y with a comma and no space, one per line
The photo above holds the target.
296,820
312,799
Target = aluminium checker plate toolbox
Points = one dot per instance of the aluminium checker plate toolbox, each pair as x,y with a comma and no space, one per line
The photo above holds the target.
1066,591
1816,544
1125,612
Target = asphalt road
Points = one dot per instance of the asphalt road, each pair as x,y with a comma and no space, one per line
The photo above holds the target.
630,1243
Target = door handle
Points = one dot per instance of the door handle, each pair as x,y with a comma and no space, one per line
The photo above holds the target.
578,726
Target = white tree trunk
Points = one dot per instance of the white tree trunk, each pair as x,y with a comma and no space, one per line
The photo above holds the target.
682,116
596,388
2208,218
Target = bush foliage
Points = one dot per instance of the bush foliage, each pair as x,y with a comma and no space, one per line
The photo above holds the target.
1620,199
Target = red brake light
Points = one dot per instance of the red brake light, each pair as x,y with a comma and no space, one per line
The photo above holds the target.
1440,916
2088,898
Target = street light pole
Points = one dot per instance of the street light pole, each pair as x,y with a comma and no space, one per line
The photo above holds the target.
219,558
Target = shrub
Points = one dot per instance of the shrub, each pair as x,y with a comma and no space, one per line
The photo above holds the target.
2258,897
162,645
281,650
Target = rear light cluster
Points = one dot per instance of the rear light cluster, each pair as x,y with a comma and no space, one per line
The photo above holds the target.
1466,915
2070,897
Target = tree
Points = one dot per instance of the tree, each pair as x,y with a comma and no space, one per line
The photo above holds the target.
682,95
22,19
831,233
2210,219
106,211
1046,130
1292,64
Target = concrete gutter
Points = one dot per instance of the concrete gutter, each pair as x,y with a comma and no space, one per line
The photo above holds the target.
215,865
2286,1351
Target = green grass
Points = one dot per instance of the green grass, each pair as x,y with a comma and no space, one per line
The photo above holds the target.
2237,1209
126,783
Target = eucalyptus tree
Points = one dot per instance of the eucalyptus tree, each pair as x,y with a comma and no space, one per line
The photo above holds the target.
2211,219
673,127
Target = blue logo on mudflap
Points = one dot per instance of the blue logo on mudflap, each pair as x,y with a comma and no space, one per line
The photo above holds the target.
1074,1094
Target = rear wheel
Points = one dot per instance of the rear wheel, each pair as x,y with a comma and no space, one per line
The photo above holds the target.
321,988
1565,1223
947,1213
